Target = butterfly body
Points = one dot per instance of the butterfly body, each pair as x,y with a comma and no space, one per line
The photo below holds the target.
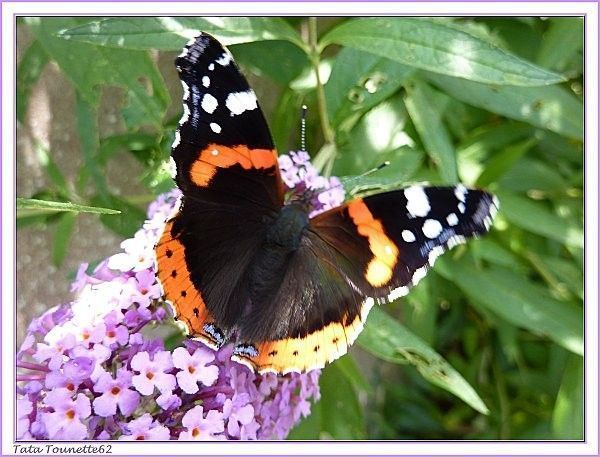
240,265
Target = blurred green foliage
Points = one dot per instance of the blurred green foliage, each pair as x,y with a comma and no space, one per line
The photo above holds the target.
490,344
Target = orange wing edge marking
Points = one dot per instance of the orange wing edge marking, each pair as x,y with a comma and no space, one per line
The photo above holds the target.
303,354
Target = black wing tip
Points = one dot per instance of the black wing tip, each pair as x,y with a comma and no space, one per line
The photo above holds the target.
195,49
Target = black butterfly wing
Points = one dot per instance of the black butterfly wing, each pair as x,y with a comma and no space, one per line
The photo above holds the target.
369,251
226,167
223,151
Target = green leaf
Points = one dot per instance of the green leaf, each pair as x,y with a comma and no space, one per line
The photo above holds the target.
568,415
568,273
359,81
562,42
339,400
89,66
29,70
52,170
431,45
379,132
130,219
502,162
48,206
172,33
427,119
279,60
403,163
518,300
553,107
537,218
87,127
62,235
283,122
350,369
387,339
528,174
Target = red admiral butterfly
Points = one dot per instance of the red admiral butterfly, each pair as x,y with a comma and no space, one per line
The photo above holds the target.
240,264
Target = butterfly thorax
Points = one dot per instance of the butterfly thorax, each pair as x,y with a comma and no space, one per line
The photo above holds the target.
270,264
286,231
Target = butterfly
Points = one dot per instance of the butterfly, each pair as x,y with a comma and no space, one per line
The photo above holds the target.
240,264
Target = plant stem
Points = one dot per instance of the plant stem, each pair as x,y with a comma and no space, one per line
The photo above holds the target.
328,150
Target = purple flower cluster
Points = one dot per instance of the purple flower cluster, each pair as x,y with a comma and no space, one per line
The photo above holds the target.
98,368
301,177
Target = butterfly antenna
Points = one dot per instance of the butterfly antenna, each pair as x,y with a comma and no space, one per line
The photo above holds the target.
366,173
303,128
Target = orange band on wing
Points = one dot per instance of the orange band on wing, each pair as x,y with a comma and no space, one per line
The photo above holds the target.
188,304
217,156
385,252
303,354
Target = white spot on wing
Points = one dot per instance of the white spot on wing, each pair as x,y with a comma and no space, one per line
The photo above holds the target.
419,274
461,192
186,91
211,67
452,219
432,228
177,141
205,81
172,164
209,103
186,114
215,127
461,207
434,254
224,59
238,102
397,293
408,236
417,202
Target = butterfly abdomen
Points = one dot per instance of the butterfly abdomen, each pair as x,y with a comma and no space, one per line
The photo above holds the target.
270,264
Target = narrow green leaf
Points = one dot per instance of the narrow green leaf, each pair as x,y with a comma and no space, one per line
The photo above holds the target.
568,415
29,70
284,124
360,80
52,170
130,219
87,127
62,236
386,338
404,162
568,273
562,42
172,33
437,47
553,107
46,206
338,399
518,300
427,119
350,369
537,218
502,162
531,174
89,66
